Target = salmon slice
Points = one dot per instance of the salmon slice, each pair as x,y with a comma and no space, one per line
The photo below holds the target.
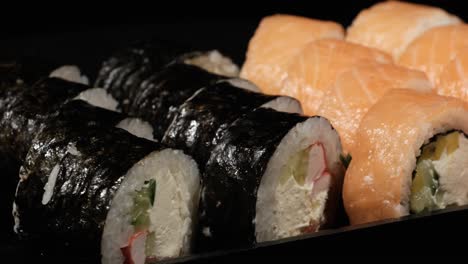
453,81
354,91
276,40
434,49
392,25
388,142
315,68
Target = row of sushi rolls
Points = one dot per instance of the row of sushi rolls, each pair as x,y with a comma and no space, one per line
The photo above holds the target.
171,152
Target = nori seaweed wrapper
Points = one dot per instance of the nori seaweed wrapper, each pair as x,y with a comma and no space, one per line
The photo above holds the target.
85,114
25,109
15,75
232,177
78,112
200,122
160,95
123,72
91,163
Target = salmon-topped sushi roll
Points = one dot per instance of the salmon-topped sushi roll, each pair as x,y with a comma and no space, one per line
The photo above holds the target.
314,69
410,157
434,49
453,81
276,40
353,92
392,25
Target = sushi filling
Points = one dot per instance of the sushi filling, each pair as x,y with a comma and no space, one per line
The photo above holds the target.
300,189
440,174
152,214
215,62
305,176
143,241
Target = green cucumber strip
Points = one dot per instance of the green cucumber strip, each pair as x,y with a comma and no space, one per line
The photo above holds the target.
143,200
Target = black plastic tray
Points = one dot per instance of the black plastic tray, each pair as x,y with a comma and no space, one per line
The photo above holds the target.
86,46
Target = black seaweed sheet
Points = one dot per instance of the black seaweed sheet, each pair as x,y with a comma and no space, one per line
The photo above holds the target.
82,113
160,95
15,75
27,107
123,72
232,177
91,161
200,122
77,111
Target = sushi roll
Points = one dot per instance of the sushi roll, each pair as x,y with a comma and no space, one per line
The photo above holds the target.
354,91
200,121
160,95
123,73
272,175
25,109
316,67
408,159
105,191
84,115
277,39
434,49
15,75
392,25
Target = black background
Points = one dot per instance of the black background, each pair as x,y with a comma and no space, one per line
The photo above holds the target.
225,25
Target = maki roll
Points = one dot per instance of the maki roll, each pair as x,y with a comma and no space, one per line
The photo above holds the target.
105,191
160,95
408,159
84,115
182,77
199,122
272,175
25,108
15,76
135,63
123,73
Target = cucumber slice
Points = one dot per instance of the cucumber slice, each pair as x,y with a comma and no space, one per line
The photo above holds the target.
423,188
425,192
296,167
143,200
